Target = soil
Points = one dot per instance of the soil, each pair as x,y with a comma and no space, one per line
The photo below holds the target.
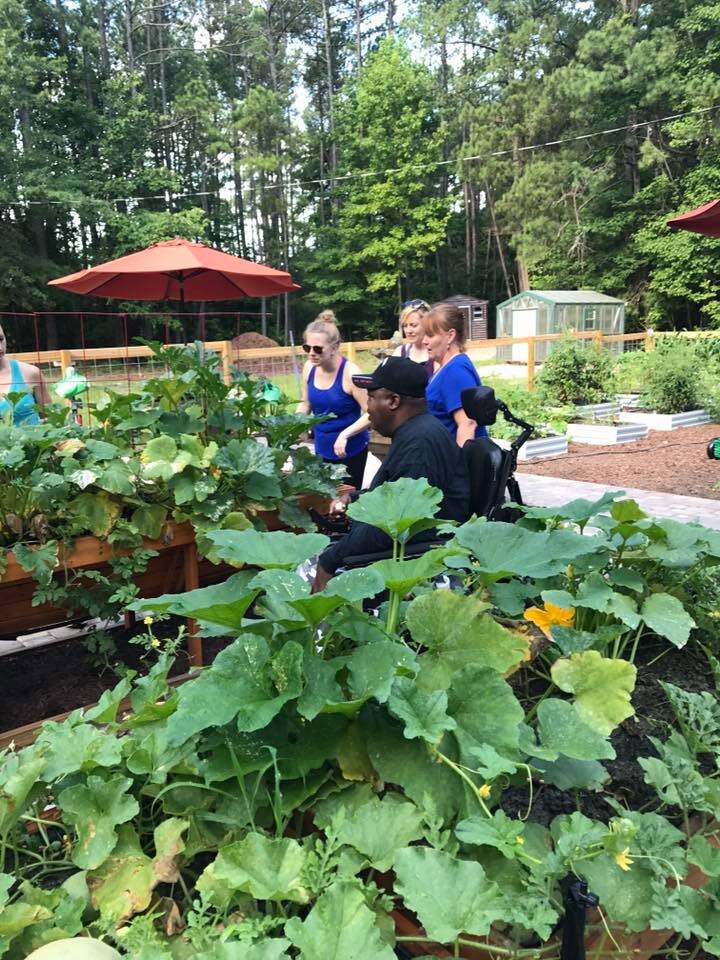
672,462
52,680
687,668
252,341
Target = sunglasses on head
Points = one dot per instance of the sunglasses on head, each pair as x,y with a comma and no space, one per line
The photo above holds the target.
414,304
314,349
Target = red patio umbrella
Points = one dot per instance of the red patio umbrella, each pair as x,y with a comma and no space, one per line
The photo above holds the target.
705,220
178,270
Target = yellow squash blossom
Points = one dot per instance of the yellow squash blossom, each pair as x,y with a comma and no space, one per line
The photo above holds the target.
484,791
549,615
623,859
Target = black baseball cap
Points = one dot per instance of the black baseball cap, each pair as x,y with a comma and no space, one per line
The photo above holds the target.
396,374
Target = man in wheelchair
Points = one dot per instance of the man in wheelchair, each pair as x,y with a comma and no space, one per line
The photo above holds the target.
421,447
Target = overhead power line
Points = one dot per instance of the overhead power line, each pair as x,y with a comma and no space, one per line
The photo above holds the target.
366,174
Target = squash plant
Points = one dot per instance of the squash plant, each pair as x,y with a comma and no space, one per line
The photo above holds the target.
332,765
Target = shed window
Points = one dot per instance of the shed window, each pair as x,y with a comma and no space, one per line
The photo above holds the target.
591,319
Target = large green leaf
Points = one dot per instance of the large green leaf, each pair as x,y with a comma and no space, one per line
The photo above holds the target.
375,828
449,896
579,511
149,518
666,616
278,549
245,457
499,831
399,508
486,711
19,775
563,732
457,632
222,604
96,809
123,884
96,511
355,585
602,688
117,477
409,764
424,714
372,668
245,681
402,575
506,549
71,746
595,593
340,926
266,868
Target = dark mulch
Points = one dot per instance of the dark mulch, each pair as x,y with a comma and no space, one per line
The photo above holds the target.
672,462
42,683
686,668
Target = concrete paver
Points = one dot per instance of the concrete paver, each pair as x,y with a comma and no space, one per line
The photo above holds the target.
553,491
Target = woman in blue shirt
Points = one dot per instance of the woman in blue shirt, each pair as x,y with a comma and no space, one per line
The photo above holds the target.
328,389
20,378
445,335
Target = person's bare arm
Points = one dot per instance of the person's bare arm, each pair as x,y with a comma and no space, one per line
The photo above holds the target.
322,578
304,405
465,427
362,422
33,376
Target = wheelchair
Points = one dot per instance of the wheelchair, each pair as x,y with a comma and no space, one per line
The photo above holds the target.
493,486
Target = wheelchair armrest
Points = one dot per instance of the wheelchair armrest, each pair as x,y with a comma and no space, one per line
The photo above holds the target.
412,550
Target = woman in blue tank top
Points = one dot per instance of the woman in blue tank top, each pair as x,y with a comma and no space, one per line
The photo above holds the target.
24,378
445,335
328,389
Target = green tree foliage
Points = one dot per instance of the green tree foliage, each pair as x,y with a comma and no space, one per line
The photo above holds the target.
328,138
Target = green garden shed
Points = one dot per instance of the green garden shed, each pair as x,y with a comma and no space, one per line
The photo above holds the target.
539,312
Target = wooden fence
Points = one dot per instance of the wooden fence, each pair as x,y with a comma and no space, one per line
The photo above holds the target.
60,360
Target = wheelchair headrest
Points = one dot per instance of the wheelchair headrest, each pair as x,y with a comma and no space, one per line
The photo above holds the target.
480,405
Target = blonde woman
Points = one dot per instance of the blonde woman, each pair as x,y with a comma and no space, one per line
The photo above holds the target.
328,389
445,334
411,315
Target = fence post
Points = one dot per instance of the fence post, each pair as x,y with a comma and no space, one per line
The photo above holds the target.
350,351
649,341
531,363
226,353
65,361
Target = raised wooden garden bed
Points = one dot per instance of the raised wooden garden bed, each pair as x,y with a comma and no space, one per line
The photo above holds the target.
666,421
605,434
177,567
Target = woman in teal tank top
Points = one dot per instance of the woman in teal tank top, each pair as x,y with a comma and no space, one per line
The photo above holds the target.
17,377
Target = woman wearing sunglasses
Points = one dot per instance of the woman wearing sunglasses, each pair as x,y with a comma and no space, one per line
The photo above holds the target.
328,389
411,314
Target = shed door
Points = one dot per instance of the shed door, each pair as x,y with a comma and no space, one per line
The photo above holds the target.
524,324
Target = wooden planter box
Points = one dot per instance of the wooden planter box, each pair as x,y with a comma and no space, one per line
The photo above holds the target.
666,421
176,568
603,434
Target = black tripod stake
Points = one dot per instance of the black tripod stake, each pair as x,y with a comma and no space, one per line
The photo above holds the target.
576,900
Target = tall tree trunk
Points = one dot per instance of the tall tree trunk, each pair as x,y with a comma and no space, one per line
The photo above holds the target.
330,95
358,33
390,11
239,203
129,43
102,31
498,239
